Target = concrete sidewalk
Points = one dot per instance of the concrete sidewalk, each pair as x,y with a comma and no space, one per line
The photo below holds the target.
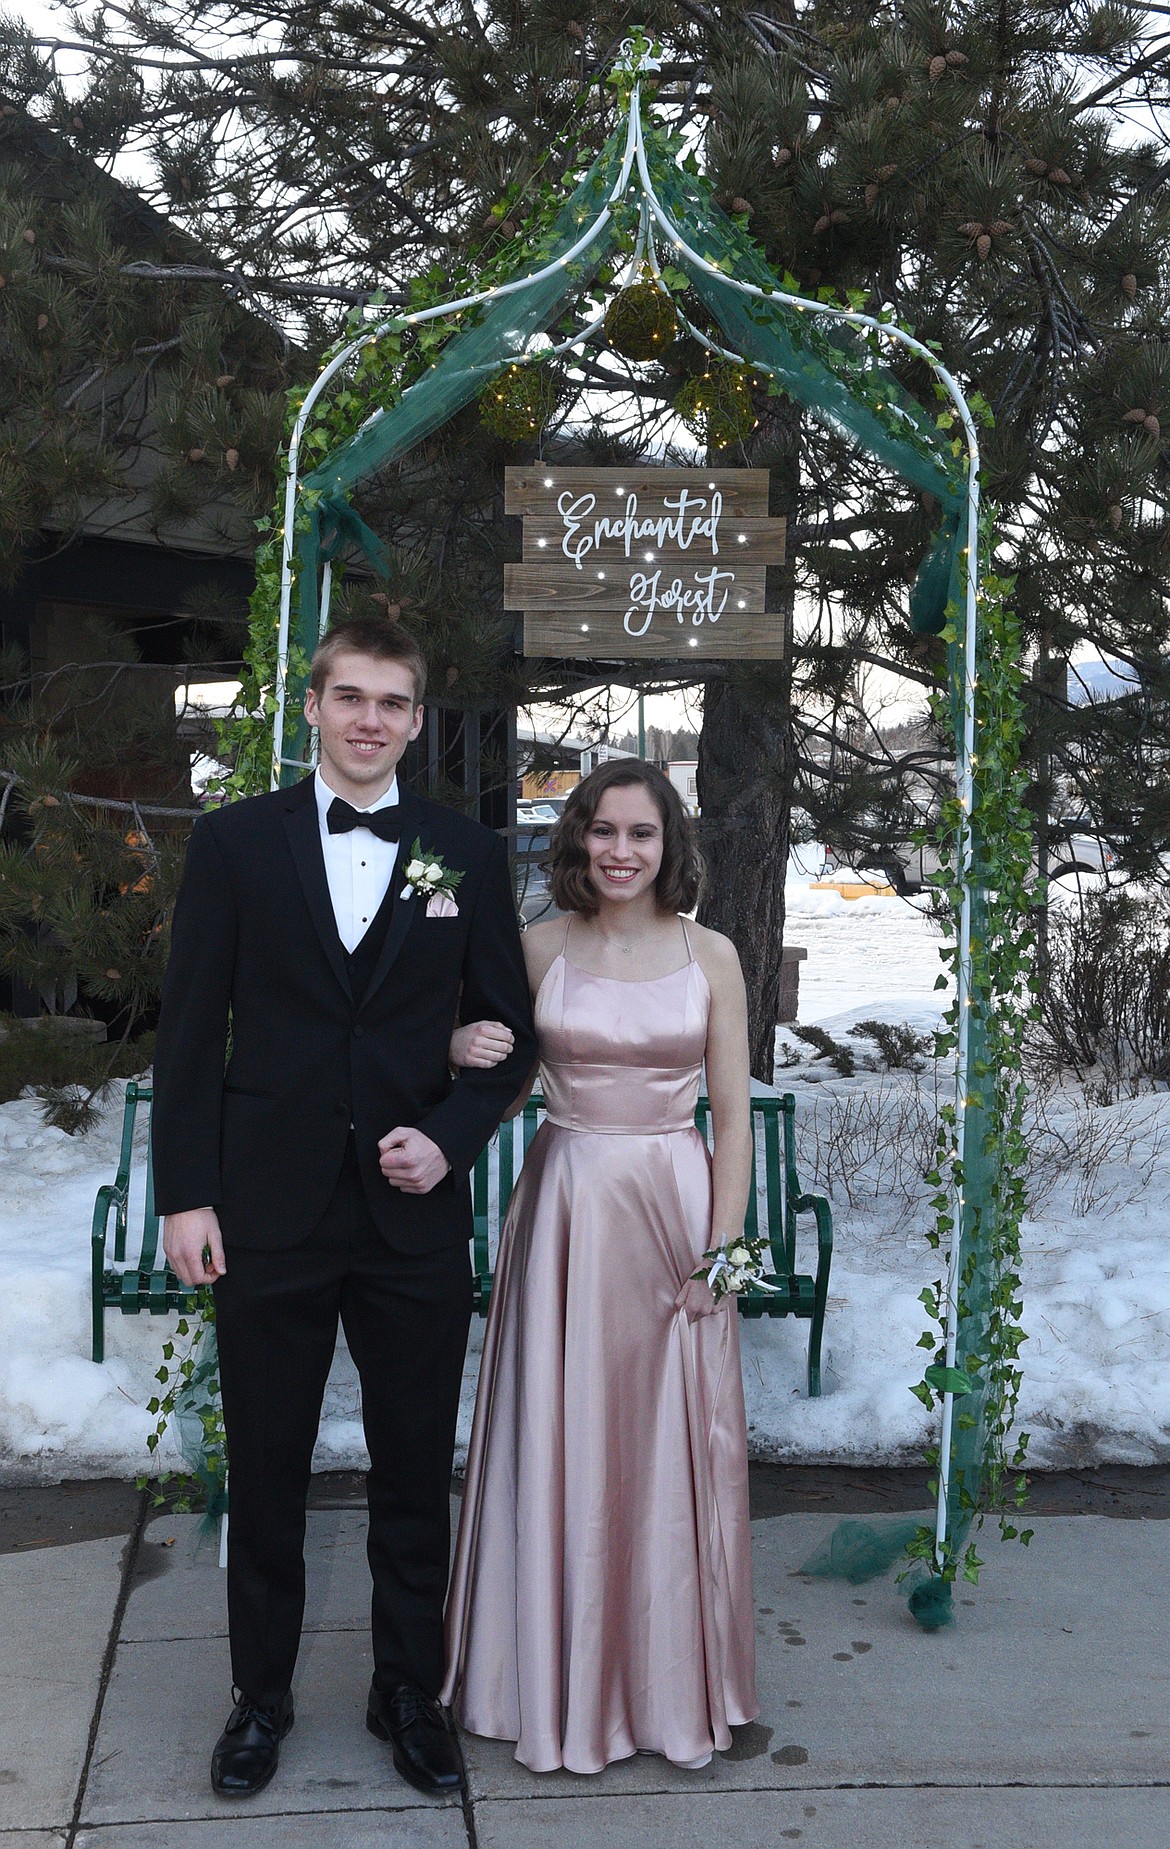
1042,1717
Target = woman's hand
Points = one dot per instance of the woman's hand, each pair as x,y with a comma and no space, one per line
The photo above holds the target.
480,1043
698,1299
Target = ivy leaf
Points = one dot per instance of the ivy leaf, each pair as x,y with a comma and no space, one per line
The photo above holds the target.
949,1380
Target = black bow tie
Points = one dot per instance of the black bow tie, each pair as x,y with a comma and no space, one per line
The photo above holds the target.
342,816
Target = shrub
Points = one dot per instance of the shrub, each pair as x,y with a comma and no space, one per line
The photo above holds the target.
902,1049
1104,1002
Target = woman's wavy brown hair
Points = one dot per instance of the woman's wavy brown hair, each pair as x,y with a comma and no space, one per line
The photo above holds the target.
680,877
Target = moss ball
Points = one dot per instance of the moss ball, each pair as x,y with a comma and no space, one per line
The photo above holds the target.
518,404
717,405
640,322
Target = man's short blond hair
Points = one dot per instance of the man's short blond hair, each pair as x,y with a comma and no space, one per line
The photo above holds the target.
380,638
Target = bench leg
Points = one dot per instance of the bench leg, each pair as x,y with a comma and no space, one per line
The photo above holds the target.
815,1332
98,1308
820,1295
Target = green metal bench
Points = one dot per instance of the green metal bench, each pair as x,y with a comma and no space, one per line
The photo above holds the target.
776,1200
145,1284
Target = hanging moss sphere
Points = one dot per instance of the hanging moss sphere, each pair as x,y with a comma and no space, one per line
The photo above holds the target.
640,322
717,404
519,403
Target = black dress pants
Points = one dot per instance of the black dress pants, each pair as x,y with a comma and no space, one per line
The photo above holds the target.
406,1320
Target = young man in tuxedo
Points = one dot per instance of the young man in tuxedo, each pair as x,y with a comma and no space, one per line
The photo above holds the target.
322,1173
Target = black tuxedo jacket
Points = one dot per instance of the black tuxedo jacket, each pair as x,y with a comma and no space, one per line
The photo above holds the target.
255,947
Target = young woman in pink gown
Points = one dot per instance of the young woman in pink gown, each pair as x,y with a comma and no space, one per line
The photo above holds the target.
601,1597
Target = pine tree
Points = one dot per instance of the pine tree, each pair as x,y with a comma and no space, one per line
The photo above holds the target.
121,391
994,174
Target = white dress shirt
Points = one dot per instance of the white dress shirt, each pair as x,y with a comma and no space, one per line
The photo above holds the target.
358,865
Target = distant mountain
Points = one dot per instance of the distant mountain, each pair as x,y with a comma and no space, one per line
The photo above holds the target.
1103,679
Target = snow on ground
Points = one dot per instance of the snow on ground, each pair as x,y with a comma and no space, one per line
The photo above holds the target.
1096,1267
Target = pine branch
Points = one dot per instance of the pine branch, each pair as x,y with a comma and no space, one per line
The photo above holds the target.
234,279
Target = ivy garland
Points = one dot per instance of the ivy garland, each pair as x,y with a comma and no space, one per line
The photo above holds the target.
987,1381
190,1400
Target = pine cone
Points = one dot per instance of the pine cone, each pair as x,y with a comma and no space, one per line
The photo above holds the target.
196,455
822,224
999,228
1115,516
30,237
232,458
42,323
225,378
740,204
783,157
1129,284
575,31
871,192
1035,165
838,217
1059,177
508,227
955,58
887,172
972,229
983,246
1134,416
936,68
1152,425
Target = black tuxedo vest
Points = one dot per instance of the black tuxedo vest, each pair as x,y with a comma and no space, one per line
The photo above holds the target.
363,958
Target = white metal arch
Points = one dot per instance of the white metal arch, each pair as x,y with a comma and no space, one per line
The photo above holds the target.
635,161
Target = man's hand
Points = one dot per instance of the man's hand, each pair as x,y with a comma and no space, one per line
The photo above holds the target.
193,1245
480,1043
410,1161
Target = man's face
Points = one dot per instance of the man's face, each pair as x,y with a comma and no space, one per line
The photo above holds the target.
364,719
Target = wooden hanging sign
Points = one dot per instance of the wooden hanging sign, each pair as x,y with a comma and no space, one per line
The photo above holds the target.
626,563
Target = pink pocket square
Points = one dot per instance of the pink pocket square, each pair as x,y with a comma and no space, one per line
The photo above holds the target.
442,905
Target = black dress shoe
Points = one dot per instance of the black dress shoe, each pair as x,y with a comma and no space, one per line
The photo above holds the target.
248,1750
425,1751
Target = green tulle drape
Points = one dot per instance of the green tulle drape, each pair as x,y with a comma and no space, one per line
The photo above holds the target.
831,370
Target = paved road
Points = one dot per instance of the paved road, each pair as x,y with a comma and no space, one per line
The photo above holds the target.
1041,1718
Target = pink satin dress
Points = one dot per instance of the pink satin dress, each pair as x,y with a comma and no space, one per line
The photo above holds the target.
601,1598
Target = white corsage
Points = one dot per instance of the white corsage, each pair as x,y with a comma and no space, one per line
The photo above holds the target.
427,876
729,1270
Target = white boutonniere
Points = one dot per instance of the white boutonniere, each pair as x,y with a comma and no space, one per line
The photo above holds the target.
427,876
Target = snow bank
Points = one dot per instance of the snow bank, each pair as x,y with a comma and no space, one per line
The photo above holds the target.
1096,1269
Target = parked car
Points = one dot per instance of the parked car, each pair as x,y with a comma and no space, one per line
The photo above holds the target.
909,868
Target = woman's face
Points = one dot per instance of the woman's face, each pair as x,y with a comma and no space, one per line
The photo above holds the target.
624,843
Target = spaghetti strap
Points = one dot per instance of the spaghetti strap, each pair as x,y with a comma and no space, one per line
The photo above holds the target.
565,939
686,937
